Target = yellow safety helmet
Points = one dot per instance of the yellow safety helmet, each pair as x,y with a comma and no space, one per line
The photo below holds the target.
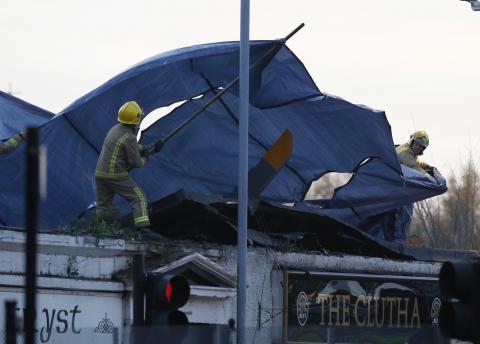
130,113
420,137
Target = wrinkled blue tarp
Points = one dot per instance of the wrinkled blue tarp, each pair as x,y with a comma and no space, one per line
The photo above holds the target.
16,115
330,134
378,200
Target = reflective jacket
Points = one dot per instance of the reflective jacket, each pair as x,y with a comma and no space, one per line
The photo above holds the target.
120,153
10,144
408,158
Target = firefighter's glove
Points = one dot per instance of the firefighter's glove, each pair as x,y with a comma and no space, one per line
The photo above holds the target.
432,171
145,153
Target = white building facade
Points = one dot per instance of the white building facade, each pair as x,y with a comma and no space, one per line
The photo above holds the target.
85,286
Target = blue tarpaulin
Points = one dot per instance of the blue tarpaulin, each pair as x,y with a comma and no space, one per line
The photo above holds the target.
378,200
330,134
16,115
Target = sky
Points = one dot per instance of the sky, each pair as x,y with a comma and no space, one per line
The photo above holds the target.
419,61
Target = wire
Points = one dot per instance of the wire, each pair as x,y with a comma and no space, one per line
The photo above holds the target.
273,316
271,260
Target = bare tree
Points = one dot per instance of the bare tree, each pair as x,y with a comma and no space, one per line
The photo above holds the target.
427,222
452,220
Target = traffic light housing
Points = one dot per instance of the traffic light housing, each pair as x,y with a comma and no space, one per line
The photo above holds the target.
164,294
460,314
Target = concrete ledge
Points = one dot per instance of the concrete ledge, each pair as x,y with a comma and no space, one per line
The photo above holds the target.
217,292
68,284
359,264
61,244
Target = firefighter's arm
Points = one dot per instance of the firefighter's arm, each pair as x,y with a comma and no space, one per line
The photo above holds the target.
132,150
412,162
421,170
423,165
142,149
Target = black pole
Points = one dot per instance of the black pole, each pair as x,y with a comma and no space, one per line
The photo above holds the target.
293,32
10,322
32,197
225,89
138,277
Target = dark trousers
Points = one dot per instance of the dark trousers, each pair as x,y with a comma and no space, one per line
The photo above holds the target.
127,189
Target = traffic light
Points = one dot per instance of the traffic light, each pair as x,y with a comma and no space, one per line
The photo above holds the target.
164,294
460,314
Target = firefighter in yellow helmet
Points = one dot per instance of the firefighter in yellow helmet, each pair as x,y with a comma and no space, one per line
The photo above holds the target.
408,152
408,155
11,144
121,153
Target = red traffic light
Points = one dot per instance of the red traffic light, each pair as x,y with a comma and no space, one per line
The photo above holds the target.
169,291
164,295
166,291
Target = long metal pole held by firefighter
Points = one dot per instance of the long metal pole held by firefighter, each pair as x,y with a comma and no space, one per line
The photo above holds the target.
242,208
272,51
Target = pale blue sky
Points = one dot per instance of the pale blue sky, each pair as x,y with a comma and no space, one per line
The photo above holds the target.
417,60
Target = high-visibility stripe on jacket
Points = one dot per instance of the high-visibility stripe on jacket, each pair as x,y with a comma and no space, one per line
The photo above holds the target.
143,218
120,153
408,158
10,144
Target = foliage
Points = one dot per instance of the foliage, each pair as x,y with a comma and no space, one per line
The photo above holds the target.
452,220
72,266
107,225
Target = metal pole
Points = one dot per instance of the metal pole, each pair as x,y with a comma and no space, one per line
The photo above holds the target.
10,322
330,335
138,277
32,197
218,95
243,169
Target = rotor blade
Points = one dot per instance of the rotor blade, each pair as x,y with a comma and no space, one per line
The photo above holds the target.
260,176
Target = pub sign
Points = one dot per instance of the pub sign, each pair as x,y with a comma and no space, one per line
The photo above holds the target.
322,307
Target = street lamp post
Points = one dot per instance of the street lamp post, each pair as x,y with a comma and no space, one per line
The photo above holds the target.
243,170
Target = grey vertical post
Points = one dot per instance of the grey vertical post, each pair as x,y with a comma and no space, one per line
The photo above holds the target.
138,277
10,322
115,339
231,331
243,169
32,198
330,335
